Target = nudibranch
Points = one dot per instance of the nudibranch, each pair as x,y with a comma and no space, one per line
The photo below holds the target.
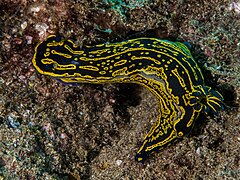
167,69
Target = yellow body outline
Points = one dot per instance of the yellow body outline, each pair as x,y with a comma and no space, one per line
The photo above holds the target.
165,68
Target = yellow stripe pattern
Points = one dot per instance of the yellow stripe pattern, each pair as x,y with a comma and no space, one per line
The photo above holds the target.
167,69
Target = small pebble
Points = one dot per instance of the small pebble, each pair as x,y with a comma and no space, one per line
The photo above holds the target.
118,162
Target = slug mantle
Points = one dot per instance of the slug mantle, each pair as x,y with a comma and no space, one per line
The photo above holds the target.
167,69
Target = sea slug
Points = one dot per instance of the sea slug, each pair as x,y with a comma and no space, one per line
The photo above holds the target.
167,69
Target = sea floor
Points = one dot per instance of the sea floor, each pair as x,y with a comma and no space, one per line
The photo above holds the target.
49,130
